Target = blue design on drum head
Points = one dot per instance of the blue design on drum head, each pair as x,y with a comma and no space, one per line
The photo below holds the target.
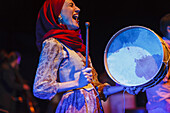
134,56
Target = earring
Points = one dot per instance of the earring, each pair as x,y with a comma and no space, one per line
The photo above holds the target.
60,20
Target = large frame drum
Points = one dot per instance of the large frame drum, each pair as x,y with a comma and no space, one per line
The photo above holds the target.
136,56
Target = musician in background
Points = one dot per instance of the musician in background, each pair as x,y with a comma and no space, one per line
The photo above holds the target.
10,83
3,60
159,96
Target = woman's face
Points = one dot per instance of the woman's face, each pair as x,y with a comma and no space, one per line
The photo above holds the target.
70,13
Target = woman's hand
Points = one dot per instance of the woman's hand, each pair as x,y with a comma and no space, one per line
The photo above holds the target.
133,90
85,77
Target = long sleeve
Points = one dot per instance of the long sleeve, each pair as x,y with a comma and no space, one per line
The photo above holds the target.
45,83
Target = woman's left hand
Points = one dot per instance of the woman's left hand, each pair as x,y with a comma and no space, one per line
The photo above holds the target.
133,90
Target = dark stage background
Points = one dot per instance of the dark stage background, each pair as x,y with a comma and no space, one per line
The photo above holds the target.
18,18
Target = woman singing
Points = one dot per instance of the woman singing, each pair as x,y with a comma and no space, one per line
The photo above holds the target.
61,67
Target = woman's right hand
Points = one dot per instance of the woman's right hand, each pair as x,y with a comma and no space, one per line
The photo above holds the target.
85,77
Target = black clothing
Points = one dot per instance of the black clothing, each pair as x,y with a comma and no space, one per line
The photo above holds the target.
9,85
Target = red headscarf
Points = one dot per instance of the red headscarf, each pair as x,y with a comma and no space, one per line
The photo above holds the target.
47,27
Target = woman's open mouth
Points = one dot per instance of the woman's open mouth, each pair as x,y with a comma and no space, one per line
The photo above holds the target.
75,17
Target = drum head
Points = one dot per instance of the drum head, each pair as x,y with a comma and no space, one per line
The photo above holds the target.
133,56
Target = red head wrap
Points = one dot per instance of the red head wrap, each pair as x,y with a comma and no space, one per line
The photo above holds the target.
47,27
